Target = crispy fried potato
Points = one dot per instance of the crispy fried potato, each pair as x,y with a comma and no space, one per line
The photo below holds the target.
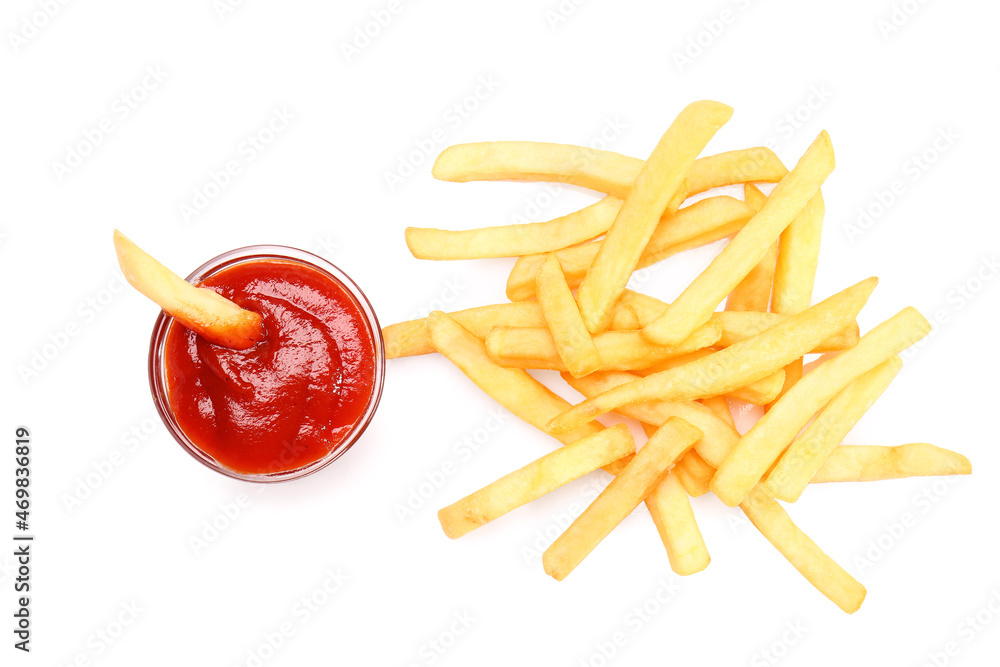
737,365
603,171
512,388
868,463
698,301
635,310
820,570
703,222
514,240
718,436
694,473
409,338
670,508
720,406
642,474
798,256
654,191
536,479
754,292
805,456
616,350
207,313
761,392
758,449
569,334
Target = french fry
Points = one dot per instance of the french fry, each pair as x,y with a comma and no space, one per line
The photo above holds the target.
720,406
718,436
603,171
410,338
762,391
669,505
642,474
512,388
703,222
638,310
514,240
739,364
819,569
616,350
697,302
737,326
869,463
536,479
754,292
569,334
761,445
654,189
670,508
793,373
694,473
207,313
798,256
807,453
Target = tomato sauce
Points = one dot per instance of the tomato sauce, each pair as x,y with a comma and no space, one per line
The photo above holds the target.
292,398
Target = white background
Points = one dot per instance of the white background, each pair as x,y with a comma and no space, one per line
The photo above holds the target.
123,540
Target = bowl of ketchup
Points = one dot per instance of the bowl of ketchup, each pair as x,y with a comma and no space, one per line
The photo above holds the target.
295,401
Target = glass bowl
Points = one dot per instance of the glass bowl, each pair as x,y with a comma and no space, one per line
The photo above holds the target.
255,253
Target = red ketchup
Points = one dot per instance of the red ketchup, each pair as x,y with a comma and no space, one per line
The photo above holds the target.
292,398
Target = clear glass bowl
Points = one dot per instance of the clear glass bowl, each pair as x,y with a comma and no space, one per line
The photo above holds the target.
157,368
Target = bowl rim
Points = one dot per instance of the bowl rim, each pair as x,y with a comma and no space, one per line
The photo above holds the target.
245,254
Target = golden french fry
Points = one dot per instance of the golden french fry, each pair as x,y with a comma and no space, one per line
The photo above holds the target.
720,406
739,364
737,326
718,436
694,473
656,186
635,310
620,497
819,569
512,388
670,508
798,256
868,463
795,270
703,222
207,313
697,302
761,445
569,334
603,171
753,196
514,240
762,391
536,479
805,456
793,373
754,292
409,338
617,350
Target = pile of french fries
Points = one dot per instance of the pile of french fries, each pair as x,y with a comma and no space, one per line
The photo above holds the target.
673,367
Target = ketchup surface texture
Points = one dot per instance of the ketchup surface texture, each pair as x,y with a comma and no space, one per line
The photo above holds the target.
293,397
